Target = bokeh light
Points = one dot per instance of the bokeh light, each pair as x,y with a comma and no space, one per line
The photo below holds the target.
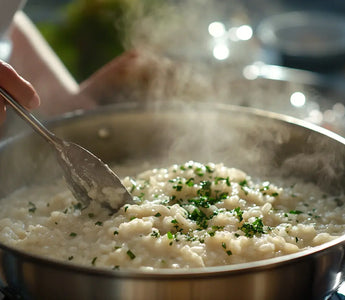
221,51
244,32
297,99
216,29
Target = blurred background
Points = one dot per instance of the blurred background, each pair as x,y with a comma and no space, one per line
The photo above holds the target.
283,56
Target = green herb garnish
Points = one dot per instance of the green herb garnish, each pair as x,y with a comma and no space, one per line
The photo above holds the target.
209,169
130,254
198,171
251,229
243,183
227,180
155,233
239,213
32,207
199,217
295,212
190,182
178,188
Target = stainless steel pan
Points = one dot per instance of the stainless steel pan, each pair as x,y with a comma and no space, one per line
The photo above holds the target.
263,144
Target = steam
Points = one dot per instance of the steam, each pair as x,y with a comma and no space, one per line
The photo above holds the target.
175,64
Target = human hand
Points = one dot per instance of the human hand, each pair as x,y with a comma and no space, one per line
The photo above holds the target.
18,87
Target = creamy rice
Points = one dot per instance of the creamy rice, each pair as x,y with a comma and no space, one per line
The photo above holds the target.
186,216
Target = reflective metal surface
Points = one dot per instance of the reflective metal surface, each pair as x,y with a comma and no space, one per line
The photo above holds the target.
263,144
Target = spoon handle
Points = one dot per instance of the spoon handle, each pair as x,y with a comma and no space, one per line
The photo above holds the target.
27,116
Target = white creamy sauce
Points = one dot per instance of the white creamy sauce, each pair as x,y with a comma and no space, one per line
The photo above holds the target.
186,216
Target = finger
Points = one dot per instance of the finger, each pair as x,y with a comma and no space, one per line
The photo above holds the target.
18,87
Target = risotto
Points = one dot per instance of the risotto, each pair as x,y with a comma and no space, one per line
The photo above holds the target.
185,216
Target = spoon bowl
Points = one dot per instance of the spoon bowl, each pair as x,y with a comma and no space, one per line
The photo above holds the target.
88,178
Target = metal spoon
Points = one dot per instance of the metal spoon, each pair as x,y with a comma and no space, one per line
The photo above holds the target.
86,175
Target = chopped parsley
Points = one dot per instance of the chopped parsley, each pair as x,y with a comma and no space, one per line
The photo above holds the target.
199,171
141,196
243,183
134,185
209,169
157,215
214,229
199,217
155,233
218,179
251,229
202,201
295,212
73,234
130,254
32,207
99,223
228,252
239,213
211,233
93,262
190,182
178,188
